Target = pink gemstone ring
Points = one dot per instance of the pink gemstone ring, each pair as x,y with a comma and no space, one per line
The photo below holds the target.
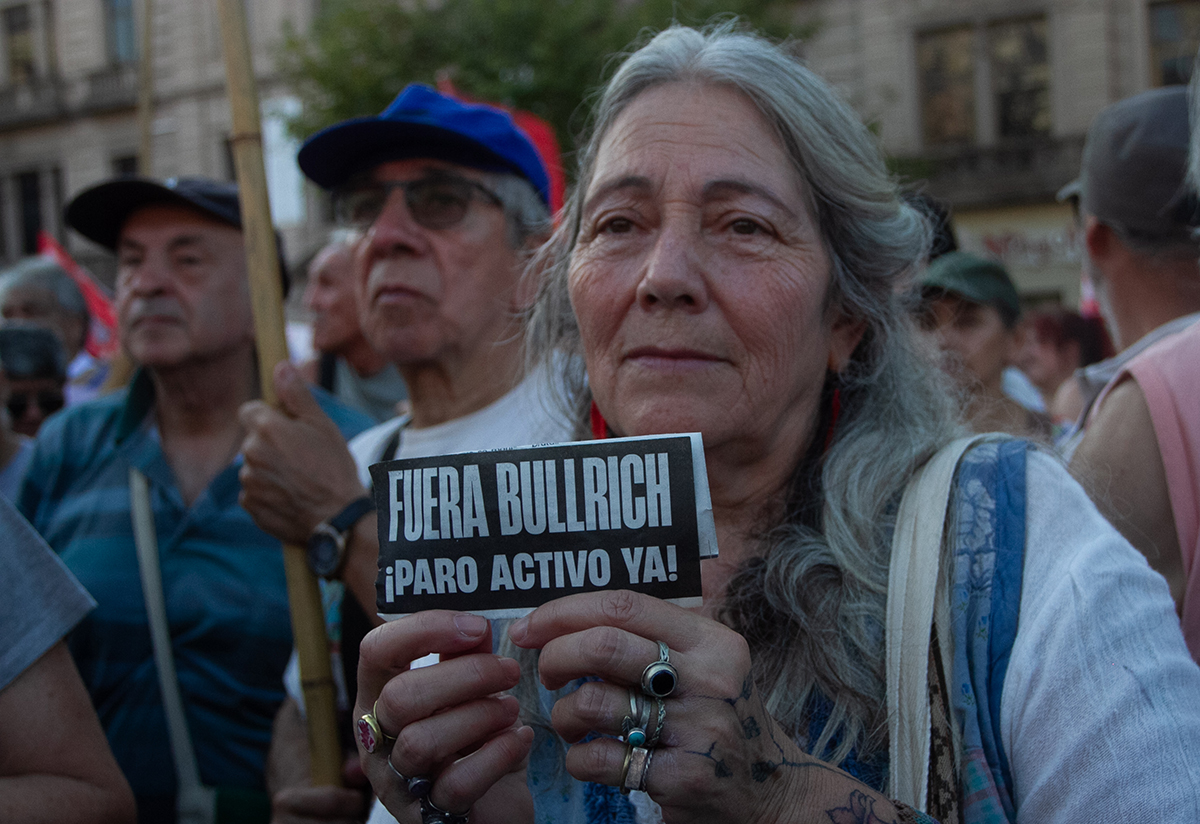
370,734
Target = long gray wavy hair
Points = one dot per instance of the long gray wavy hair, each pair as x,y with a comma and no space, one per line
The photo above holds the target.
812,605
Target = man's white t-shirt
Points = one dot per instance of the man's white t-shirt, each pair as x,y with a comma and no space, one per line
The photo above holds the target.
525,416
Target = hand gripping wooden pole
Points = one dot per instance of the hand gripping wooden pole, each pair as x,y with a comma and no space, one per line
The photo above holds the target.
266,293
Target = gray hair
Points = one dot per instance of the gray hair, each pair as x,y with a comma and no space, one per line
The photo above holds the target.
46,274
524,208
813,604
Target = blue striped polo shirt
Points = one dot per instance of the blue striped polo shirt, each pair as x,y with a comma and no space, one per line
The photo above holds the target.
223,582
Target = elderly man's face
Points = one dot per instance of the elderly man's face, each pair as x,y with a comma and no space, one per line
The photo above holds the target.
182,292
435,296
331,297
700,278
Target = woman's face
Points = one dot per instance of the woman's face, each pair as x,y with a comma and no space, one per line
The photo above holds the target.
699,278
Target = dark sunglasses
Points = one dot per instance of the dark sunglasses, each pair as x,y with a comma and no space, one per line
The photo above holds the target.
434,202
48,401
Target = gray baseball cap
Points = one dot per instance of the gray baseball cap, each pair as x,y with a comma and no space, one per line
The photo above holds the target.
1133,173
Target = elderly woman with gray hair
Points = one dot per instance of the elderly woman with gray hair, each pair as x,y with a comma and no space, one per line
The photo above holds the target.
732,262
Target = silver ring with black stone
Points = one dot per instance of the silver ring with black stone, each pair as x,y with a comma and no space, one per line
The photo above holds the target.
660,678
433,814
418,786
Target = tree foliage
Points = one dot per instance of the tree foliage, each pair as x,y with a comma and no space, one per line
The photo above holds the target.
543,56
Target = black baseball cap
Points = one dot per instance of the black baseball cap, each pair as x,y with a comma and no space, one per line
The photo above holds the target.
1133,174
100,212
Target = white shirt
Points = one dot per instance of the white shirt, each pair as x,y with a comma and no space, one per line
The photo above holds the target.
523,417
527,415
1100,714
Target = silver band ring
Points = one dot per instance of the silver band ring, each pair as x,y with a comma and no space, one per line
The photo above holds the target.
433,814
660,721
634,726
418,786
637,764
660,678
630,721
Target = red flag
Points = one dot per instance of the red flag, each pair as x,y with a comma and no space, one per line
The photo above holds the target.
102,334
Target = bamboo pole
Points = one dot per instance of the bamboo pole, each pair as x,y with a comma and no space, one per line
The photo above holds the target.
145,100
266,292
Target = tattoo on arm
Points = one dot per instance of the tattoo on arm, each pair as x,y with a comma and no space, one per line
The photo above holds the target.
860,807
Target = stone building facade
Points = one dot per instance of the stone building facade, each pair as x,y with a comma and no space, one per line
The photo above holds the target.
68,96
987,103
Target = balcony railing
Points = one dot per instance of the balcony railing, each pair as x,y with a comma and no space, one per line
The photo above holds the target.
113,88
28,104
1032,169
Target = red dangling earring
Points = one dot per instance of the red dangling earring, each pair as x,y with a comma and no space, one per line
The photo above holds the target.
835,409
599,425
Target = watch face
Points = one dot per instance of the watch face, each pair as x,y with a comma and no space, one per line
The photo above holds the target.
323,554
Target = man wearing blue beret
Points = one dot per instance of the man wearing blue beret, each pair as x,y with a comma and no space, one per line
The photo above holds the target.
449,199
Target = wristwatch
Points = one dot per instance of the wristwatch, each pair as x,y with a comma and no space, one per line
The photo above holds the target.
327,544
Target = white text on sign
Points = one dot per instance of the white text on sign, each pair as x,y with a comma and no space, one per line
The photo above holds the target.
440,503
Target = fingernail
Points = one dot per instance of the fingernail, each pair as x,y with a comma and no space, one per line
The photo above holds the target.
472,626
511,668
519,630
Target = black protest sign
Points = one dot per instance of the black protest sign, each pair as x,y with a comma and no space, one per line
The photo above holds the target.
500,532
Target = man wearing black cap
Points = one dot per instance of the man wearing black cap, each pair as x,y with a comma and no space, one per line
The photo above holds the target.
1138,218
184,317
450,197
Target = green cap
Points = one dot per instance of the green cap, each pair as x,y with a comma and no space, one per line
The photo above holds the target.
976,279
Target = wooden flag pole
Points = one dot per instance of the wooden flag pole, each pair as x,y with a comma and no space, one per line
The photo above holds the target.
145,99
266,293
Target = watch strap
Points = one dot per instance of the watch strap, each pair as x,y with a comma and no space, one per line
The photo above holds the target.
348,517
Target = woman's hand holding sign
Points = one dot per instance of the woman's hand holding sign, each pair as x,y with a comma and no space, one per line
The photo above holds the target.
441,738
711,752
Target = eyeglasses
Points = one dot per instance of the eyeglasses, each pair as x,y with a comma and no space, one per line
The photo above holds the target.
434,202
48,401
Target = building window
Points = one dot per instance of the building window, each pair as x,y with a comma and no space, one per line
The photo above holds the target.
121,32
17,22
946,62
1174,40
29,195
1020,77
125,166
980,83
